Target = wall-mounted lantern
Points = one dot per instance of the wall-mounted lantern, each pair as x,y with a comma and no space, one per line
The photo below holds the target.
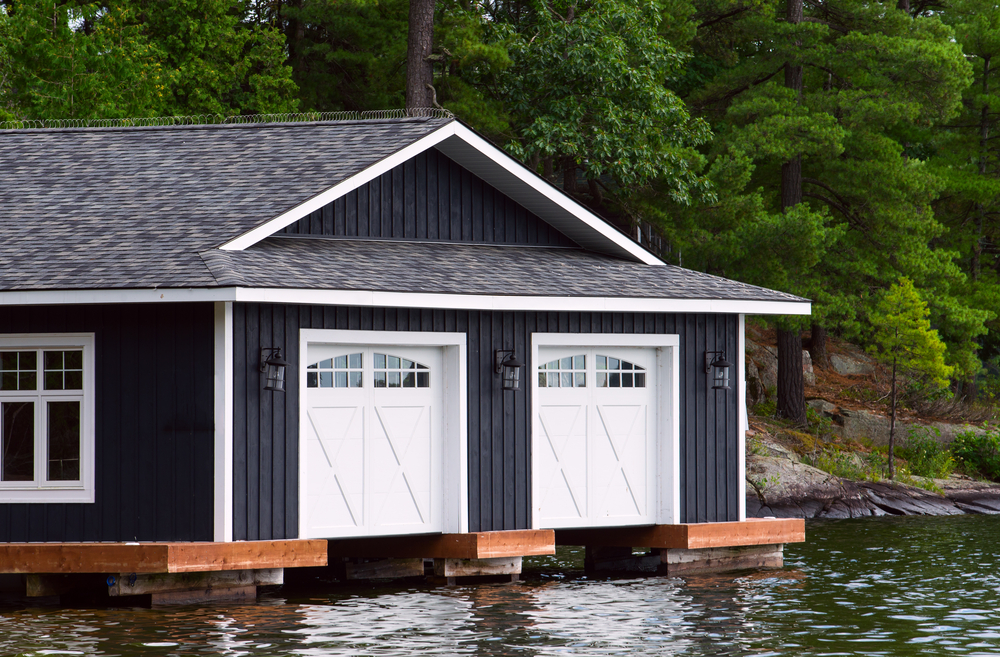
272,366
718,367
509,368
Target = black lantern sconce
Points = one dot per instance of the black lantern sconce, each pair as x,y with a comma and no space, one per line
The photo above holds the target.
509,368
272,366
718,368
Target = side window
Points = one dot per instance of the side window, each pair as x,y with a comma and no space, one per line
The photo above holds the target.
46,420
396,372
568,372
617,373
339,372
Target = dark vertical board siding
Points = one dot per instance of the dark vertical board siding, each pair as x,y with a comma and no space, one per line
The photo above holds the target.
154,425
429,197
499,424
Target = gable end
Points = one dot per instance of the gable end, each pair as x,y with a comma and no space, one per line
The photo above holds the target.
429,197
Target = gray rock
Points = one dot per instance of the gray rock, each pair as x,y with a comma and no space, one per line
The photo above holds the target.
783,488
855,365
823,406
807,369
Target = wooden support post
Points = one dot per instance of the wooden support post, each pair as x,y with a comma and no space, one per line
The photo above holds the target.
477,567
184,588
384,569
715,560
600,559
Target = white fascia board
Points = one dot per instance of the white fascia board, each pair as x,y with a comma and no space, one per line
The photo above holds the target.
523,185
86,297
364,298
495,167
505,302
289,217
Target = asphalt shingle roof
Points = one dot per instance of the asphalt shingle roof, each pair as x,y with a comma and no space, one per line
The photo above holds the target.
118,208
481,269
133,207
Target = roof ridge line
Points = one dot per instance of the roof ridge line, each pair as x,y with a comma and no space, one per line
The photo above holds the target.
221,119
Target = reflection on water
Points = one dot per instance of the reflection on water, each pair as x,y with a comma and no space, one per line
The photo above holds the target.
910,586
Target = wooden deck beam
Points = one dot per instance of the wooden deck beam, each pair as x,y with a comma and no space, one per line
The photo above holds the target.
475,545
159,557
690,536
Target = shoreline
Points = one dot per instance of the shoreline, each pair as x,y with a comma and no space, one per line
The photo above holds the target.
785,488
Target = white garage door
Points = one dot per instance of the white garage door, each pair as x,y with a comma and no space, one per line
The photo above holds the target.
373,447
594,436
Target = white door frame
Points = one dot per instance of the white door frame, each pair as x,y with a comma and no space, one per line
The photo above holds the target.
667,508
454,395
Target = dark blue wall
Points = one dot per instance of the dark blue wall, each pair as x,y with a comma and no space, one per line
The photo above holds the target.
154,426
266,424
429,198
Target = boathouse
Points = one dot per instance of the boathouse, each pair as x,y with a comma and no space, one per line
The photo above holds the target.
398,277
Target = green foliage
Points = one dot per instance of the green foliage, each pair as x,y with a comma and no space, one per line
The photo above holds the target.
139,58
69,60
585,89
903,336
215,62
979,451
925,454
856,466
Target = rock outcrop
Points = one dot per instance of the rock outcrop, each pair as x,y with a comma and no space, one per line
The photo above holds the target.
778,485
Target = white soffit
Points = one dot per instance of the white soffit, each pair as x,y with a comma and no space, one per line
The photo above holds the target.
498,169
405,300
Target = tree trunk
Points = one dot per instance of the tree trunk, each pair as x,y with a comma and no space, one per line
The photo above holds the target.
817,346
984,142
892,424
420,41
904,5
791,384
569,176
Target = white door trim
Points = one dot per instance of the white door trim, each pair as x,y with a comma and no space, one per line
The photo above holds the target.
667,477
454,394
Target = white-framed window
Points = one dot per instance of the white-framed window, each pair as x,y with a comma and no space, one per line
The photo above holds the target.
47,418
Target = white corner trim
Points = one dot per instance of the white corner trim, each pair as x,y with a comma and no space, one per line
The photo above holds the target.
224,371
741,450
292,215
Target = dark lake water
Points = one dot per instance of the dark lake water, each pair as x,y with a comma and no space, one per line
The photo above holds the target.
904,586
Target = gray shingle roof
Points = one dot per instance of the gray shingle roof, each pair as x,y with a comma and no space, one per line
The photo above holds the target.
479,269
120,208
133,207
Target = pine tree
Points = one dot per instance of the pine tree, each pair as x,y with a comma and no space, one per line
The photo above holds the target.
903,338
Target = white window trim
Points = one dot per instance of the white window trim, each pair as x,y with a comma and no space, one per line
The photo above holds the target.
61,492
668,474
454,396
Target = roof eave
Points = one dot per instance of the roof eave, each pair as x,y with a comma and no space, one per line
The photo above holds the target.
384,299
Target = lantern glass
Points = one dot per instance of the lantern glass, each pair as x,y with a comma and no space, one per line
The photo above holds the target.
720,369
274,370
509,369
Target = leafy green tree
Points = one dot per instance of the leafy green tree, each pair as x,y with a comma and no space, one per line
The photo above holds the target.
903,338
586,96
